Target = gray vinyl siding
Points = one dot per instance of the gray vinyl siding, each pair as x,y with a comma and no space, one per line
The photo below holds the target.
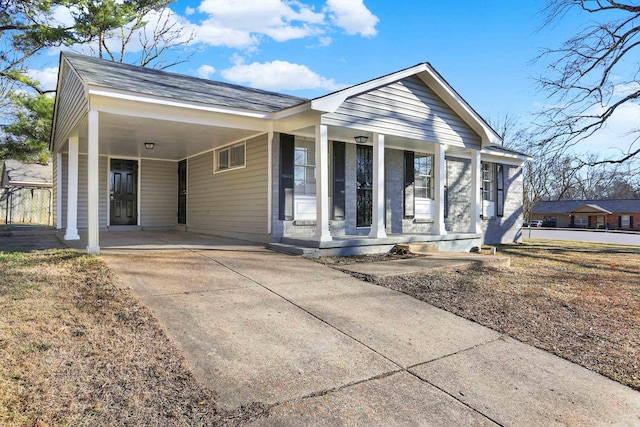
82,190
158,193
231,203
406,108
72,105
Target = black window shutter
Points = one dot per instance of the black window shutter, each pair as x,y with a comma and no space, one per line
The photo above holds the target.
500,169
619,221
287,148
339,180
630,221
409,179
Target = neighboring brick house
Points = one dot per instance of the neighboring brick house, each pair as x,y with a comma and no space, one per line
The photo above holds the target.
612,214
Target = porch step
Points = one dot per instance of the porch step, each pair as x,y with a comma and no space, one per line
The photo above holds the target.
417,248
294,250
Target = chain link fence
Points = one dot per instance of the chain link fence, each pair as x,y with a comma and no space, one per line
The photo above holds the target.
25,205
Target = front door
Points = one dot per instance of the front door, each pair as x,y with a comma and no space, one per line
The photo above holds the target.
123,191
182,192
364,182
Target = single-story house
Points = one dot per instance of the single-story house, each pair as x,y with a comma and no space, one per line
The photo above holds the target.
395,159
25,193
622,214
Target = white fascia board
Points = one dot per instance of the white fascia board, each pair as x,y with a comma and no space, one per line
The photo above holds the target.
504,157
330,103
132,96
459,105
292,111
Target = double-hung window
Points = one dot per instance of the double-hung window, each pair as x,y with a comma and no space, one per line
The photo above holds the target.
423,185
230,157
492,189
304,164
304,179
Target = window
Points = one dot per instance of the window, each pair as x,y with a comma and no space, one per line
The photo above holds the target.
304,163
492,189
423,170
423,185
581,221
625,221
230,157
487,181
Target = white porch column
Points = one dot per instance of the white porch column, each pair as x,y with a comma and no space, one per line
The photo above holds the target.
93,187
377,220
439,173
322,185
476,197
72,191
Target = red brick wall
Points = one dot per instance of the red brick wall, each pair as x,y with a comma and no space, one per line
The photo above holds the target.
612,222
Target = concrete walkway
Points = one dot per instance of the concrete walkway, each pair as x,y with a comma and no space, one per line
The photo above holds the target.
328,349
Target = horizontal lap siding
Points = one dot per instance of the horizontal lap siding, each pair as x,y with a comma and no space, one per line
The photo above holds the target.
232,202
72,105
82,190
408,108
158,193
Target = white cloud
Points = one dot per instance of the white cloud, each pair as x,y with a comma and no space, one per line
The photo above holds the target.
279,75
353,16
205,71
189,11
242,24
325,41
48,77
624,89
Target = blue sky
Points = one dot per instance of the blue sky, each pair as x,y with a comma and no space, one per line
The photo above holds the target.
308,48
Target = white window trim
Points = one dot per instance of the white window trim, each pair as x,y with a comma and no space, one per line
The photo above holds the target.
228,147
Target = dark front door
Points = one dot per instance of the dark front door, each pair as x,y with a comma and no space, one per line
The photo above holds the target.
364,182
124,192
182,192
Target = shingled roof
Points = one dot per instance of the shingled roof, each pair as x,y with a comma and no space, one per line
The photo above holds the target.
15,173
115,75
618,206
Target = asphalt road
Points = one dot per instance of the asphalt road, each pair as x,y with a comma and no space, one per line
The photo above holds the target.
582,236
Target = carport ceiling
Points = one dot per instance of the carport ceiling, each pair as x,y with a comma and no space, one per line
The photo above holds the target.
125,136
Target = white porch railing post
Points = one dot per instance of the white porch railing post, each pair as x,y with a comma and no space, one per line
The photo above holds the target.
377,220
93,186
322,185
476,197
71,232
439,172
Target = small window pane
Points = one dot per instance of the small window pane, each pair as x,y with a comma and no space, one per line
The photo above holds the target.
237,155
223,159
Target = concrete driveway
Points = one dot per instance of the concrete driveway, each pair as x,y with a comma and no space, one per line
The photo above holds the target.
327,349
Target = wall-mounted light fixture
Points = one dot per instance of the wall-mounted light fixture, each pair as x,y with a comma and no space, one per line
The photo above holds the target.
361,139
149,145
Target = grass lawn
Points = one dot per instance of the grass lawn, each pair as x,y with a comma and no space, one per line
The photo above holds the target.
76,349
580,301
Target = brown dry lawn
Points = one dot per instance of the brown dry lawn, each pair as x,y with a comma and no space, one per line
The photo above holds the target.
76,349
580,301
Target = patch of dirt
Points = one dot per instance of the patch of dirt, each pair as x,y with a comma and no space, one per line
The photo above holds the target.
579,301
77,349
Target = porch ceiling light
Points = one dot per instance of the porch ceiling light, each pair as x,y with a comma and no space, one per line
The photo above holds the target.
149,145
361,139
